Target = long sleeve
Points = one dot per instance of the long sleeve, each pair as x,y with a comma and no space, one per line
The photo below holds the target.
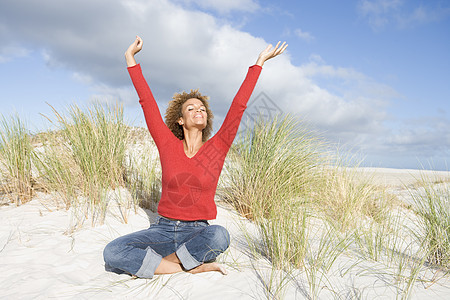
188,184
230,126
158,129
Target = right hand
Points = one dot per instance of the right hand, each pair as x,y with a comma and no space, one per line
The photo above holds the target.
134,48
269,53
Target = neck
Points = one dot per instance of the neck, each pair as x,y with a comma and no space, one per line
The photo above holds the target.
193,140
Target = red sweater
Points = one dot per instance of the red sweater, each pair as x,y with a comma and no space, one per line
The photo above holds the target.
189,184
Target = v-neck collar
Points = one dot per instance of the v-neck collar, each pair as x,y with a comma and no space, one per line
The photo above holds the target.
200,149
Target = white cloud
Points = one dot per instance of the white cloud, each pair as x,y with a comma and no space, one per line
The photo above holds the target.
110,95
303,35
422,15
12,52
378,7
83,78
400,13
431,134
378,12
224,6
353,112
185,49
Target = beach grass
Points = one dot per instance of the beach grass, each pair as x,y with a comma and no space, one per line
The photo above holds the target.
284,179
58,171
279,174
268,174
86,159
432,206
269,162
143,174
307,207
16,152
345,198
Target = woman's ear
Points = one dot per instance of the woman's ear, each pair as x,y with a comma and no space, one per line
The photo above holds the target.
180,121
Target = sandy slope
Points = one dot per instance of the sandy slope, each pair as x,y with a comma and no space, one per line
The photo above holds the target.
41,259
400,178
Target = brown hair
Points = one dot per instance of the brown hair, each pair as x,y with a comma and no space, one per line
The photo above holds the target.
173,113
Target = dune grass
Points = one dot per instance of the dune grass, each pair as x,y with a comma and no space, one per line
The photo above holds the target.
345,199
281,177
143,172
83,161
86,159
307,209
268,174
279,174
432,206
269,162
57,169
16,154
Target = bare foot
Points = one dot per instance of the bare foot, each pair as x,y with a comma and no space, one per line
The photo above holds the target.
208,267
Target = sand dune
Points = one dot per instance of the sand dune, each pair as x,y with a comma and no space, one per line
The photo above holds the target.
41,258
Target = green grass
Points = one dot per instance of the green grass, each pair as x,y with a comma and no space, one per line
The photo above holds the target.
268,174
58,171
87,159
345,199
270,162
16,154
307,210
281,177
432,206
279,174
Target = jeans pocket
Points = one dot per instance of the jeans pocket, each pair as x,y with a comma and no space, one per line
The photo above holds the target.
156,222
202,223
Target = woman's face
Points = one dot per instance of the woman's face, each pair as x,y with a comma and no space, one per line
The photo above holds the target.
194,114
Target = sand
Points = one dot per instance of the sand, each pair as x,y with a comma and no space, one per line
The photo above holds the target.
41,258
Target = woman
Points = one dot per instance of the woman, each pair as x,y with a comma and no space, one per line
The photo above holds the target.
181,239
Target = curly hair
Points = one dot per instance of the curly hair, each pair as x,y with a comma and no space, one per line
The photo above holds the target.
173,113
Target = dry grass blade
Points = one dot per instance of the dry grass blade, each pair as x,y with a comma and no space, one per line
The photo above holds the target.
267,178
16,154
432,205
89,160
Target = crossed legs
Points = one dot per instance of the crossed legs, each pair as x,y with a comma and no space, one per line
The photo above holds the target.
168,247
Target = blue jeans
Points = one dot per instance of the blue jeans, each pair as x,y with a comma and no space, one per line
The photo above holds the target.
140,253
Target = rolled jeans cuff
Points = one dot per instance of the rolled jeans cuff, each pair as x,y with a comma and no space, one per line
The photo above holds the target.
186,259
149,264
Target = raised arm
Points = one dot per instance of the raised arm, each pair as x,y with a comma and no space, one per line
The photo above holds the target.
230,125
269,53
158,129
134,48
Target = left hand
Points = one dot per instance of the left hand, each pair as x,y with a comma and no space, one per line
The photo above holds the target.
269,53
134,48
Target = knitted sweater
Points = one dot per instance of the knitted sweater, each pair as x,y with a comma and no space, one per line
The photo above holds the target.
189,184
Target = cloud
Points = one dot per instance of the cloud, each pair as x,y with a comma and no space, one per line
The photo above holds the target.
183,49
423,15
306,36
378,7
429,134
186,49
111,95
344,105
223,6
400,13
12,52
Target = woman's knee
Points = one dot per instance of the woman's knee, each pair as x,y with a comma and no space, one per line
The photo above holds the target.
113,253
109,253
220,237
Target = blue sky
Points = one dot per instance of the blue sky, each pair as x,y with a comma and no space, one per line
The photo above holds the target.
372,76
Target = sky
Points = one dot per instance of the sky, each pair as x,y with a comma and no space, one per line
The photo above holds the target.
372,77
